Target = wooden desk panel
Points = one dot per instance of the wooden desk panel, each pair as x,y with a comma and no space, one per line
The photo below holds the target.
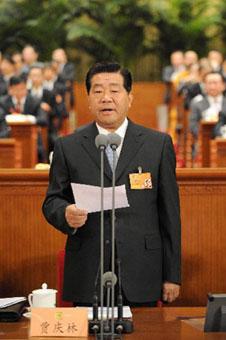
149,323
28,245
218,152
27,135
10,153
206,134
203,201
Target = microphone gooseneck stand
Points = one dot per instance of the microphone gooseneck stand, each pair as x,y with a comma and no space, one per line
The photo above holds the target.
103,330
101,142
114,141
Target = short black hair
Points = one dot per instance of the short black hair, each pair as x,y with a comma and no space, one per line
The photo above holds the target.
16,80
214,72
109,67
8,58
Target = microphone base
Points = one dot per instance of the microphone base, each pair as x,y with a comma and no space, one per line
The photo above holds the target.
120,326
108,336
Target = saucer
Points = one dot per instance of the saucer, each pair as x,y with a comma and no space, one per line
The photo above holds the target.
27,315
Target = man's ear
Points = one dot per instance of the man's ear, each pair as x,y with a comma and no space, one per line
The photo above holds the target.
130,99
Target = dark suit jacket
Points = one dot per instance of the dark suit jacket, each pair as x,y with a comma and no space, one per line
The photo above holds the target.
3,86
147,233
4,129
198,105
221,122
67,76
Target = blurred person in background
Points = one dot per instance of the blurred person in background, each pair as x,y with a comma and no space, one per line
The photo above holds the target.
215,59
65,71
30,57
4,129
51,101
8,70
170,72
18,61
19,101
207,106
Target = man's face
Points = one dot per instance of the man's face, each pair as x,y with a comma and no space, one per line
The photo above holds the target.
214,85
18,91
36,76
29,55
109,101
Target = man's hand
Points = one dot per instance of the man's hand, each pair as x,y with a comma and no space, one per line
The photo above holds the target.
170,291
75,217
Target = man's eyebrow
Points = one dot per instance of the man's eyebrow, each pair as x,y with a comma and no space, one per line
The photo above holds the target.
111,84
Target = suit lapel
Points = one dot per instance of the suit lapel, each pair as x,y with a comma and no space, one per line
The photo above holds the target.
88,143
224,104
133,140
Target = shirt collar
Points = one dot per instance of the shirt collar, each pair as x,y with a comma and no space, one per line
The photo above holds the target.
121,131
217,99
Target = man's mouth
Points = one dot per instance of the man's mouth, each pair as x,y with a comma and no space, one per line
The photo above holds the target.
107,110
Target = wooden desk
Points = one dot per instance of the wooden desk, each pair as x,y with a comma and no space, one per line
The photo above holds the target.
29,245
27,134
218,152
10,153
167,323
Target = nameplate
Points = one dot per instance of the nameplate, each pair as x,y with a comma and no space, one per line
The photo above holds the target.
59,322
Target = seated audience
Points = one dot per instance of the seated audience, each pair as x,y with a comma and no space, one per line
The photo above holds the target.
50,101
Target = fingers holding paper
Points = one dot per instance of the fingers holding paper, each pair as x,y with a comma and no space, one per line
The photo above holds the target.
75,217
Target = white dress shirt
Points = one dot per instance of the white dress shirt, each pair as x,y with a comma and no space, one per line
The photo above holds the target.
121,131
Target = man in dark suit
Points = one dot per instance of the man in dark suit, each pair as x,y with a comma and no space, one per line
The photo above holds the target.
220,128
147,232
65,70
4,129
210,104
19,101
170,72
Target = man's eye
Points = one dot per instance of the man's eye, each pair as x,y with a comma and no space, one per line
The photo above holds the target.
114,91
97,91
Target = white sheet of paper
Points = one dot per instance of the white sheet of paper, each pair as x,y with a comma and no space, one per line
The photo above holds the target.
87,197
5,302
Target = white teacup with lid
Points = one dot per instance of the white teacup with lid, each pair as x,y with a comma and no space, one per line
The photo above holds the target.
43,297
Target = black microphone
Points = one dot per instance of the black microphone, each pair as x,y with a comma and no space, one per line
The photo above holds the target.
114,140
101,141
109,279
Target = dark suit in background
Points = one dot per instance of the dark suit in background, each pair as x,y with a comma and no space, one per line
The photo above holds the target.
4,129
32,107
198,105
67,76
221,122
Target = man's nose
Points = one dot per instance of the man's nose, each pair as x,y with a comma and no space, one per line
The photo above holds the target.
106,97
